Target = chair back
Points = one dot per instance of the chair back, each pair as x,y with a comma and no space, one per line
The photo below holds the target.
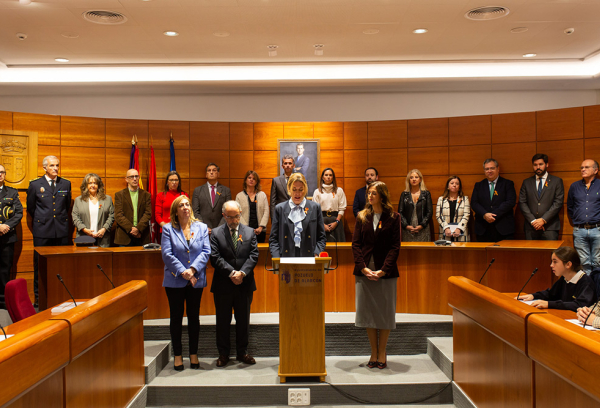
17,300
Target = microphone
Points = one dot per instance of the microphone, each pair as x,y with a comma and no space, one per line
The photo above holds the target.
111,282
274,270
337,259
61,281
588,316
491,262
5,336
532,273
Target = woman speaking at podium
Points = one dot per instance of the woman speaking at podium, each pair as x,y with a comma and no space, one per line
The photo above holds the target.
376,246
297,230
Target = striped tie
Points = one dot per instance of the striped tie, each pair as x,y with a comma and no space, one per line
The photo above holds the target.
234,237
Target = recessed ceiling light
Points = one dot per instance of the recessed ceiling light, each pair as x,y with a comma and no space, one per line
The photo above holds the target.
171,33
420,31
530,55
519,30
569,31
371,31
70,35
21,36
272,50
61,60
24,2
221,34
319,49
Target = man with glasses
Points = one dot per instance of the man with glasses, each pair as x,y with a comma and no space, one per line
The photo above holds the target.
11,212
133,212
48,203
234,254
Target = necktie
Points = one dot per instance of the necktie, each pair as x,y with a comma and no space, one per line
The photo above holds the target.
212,195
492,191
234,238
540,185
52,185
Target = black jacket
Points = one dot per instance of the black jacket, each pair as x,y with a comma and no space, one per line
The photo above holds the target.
424,208
9,199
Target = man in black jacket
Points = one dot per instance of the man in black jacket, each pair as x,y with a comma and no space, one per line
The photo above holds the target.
11,213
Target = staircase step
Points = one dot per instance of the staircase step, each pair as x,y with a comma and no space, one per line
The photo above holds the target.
407,380
156,356
440,350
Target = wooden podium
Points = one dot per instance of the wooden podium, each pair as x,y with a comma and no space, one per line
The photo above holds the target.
301,318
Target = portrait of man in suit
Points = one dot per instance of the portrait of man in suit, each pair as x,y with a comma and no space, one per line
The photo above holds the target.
305,156
302,161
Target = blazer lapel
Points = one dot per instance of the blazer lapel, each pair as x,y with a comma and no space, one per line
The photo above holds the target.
227,237
544,187
194,232
207,192
179,234
3,192
128,199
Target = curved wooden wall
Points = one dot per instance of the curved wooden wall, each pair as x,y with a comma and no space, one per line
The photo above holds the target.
438,147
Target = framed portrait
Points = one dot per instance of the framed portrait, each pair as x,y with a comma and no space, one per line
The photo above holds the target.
307,159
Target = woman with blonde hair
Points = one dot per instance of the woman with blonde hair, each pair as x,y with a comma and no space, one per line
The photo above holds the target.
376,246
93,211
452,211
415,208
255,205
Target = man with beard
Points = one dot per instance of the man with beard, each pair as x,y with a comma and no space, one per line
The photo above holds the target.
360,197
541,200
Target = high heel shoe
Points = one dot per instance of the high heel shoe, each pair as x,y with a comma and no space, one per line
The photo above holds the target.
372,364
178,367
381,365
194,366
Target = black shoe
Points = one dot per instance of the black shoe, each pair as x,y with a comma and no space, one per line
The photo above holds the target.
222,361
194,366
178,368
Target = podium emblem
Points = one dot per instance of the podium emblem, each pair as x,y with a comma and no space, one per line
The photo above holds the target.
286,277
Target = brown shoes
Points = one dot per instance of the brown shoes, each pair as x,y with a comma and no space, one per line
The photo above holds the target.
246,359
222,361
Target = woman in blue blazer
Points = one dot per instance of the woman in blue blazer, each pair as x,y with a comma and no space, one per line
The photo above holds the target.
297,228
185,252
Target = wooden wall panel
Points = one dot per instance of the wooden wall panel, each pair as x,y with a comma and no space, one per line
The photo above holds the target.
565,155
513,157
78,161
592,149
429,160
77,131
44,151
120,131
470,130
162,158
387,134
355,135
591,121
331,135
241,162
298,130
355,163
560,124
241,136
428,132
333,159
265,164
117,162
6,120
389,162
266,135
160,131
209,135
199,159
513,127
47,126
468,160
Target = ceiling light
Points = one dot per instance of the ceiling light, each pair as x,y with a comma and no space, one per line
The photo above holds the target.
530,55
272,50
61,60
371,31
569,31
171,33
221,34
319,49
24,2
420,31
70,35
519,30
21,36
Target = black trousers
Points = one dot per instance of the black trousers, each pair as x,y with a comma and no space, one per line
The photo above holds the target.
541,235
240,301
491,234
7,252
40,242
190,298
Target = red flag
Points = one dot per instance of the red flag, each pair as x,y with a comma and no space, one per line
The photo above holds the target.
152,189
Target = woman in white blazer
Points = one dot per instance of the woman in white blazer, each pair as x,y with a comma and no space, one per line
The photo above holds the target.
453,211
255,205
93,211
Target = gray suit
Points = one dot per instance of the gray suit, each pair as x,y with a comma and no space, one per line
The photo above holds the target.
203,208
106,218
279,193
547,206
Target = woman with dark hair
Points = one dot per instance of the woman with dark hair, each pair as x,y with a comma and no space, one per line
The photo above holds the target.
415,208
185,251
376,246
452,211
255,205
93,211
333,204
162,207
573,289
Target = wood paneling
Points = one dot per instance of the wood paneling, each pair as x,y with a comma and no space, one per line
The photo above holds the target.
331,135
470,130
199,159
47,126
564,155
241,162
209,135
163,164
554,392
389,162
429,160
298,130
117,162
355,135
241,136
387,134
6,120
79,161
120,131
513,157
77,131
333,159
592,149
266,135
468,160
591,121
560,124
160,131
44,151
428,132
265,164
355,163
513,127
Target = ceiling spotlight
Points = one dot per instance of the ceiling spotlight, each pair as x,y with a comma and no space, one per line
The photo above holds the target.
272,50
530,55
420,31
70,35
221,34
569,31
61,60
21,36
319,49
371,31
171,33
24,2
519,30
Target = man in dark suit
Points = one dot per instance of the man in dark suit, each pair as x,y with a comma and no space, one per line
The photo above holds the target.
493,200
234,254
133,212
279,192
49,204
541,199
360,197
208,199
302,162
11,213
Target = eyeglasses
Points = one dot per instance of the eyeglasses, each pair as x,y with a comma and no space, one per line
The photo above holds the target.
2,172
237,217
173,181
133,177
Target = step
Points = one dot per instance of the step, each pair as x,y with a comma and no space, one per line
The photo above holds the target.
441,351
407,380
157,354
342,338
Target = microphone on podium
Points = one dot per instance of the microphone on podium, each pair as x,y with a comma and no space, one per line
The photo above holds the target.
63,283
532,273
491,262
111,282
5,336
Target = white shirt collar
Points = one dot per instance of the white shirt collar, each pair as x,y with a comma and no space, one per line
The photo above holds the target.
544,177
495,181
576,278
210,185
48,179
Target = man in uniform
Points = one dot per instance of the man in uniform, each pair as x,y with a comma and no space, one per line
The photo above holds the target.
11,212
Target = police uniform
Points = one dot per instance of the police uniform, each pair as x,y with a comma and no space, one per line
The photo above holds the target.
49,209
11,213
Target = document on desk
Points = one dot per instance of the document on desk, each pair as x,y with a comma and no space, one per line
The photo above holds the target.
578,323
527,302
8,336
63,307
